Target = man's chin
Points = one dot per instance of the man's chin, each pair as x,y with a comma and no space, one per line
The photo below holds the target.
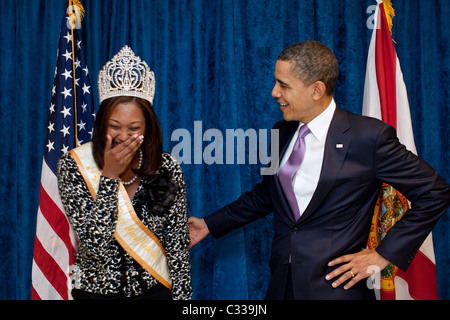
286,117
289,117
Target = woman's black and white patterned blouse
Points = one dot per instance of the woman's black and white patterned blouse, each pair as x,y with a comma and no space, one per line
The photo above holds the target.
102,266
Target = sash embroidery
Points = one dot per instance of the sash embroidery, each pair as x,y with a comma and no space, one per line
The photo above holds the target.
134,237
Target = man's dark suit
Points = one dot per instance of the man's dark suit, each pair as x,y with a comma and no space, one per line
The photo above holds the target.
360,154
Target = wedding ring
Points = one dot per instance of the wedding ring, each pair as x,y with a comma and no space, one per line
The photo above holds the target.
352,274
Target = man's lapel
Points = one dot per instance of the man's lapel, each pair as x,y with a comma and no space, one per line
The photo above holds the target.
336,147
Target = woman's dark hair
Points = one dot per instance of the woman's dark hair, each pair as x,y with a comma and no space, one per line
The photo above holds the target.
152,145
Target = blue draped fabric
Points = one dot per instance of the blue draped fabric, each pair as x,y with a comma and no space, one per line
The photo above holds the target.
214,63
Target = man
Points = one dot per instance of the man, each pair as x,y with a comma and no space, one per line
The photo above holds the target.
322,215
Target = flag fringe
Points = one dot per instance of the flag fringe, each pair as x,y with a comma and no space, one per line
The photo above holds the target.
390,13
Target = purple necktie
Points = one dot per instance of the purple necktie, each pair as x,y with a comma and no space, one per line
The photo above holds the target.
287,171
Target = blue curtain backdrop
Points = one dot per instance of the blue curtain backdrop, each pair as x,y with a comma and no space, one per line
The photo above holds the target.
214,63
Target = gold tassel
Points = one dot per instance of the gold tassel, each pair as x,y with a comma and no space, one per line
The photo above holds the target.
390,13
79,13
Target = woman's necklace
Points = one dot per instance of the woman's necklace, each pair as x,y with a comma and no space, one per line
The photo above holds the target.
127,183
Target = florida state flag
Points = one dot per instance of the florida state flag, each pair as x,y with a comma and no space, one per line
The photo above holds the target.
385,98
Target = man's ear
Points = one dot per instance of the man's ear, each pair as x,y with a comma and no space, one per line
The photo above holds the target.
319,90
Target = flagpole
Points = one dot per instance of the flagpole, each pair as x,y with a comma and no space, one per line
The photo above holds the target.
78,14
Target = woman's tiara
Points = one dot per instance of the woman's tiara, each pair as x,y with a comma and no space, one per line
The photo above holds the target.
126,75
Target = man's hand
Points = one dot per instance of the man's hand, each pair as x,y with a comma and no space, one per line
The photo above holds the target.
197,230
356,267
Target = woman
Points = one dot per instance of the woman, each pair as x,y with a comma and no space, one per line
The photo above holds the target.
125,198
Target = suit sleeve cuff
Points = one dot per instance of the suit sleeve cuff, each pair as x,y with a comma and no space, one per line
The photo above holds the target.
215,225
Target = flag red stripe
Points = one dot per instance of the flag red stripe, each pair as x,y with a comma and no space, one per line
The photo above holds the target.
50,269
385,63
57,220
421,278
34,294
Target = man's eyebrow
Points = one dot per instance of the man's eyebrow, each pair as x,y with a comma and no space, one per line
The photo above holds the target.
282,82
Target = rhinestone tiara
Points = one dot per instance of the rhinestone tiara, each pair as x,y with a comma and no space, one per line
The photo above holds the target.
126,75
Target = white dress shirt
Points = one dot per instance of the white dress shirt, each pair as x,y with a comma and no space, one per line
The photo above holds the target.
307,176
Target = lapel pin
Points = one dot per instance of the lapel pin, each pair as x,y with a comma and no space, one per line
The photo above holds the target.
339,146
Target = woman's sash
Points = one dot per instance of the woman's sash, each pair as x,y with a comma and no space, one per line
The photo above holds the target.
134,237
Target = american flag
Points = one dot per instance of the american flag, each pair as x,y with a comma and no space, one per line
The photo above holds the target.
71,118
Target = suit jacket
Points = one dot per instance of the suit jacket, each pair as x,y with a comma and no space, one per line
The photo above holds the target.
338,218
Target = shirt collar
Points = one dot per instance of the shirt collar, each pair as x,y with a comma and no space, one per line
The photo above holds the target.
320,124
